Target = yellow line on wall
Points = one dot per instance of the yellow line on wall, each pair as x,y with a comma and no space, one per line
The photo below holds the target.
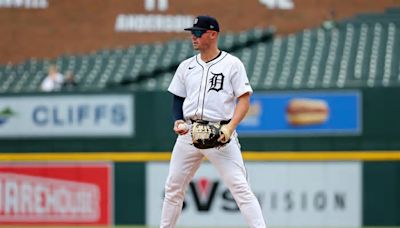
87,156
324,156
165,156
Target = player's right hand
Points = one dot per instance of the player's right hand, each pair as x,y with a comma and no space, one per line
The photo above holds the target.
178,130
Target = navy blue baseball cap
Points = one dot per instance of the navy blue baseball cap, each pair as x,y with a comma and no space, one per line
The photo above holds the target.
204,23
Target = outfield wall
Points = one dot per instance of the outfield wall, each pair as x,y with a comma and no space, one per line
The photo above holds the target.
49,144
291,193
141,121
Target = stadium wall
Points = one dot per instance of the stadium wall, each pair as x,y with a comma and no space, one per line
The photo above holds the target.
52,124
374,152
328,193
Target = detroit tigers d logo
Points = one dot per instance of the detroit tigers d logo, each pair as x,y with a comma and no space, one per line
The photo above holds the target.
217,82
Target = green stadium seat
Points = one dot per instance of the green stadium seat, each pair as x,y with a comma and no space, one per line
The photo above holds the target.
307,45
261,58
37,78
20,83
272,66
170,51
314,68
360,54
289,62
390,49
227,41
375,49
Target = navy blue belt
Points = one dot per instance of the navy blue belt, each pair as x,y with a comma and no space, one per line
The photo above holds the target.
222,122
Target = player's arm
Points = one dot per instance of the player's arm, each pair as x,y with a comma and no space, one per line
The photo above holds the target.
178,89
177,112
241,109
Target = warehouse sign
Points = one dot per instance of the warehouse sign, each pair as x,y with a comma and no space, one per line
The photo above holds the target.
63,116
55,193
291,194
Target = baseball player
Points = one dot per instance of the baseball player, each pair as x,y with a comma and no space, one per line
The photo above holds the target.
211,87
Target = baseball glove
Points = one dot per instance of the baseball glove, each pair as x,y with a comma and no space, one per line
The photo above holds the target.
205,135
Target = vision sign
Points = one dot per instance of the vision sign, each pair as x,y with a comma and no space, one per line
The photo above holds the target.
291,194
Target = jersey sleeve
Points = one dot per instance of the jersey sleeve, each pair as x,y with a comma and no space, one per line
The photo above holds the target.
240,82
177,85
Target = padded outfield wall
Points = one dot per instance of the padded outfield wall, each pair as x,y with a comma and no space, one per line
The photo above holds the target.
127,136
141,121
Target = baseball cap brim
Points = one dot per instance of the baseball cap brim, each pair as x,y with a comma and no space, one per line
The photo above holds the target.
195,28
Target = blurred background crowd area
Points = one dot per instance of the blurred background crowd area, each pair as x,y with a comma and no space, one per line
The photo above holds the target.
139,43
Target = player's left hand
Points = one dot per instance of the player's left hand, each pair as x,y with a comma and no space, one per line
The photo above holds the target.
226,132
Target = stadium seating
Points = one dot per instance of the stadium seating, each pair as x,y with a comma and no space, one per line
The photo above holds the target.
361,51
351,55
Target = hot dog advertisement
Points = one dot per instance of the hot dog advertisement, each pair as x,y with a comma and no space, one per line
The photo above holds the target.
303,113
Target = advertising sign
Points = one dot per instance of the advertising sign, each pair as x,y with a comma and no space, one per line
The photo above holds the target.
303,113
26,4
291,194
56,193
68,115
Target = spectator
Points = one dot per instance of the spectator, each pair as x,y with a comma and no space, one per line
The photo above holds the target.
53,81
69,81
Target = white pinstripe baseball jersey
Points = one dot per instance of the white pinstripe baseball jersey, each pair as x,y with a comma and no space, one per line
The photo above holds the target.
210,88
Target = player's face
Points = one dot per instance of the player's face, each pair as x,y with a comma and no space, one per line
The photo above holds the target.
201,39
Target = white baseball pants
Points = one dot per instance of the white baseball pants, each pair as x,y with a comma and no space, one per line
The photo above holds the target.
228,160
